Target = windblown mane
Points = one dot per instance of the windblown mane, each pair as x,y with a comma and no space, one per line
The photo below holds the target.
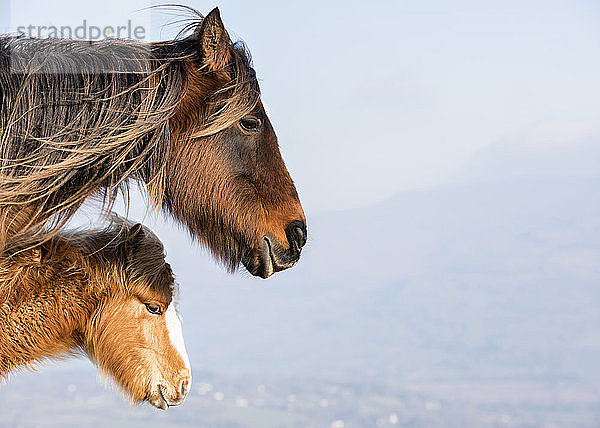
82,118
74,254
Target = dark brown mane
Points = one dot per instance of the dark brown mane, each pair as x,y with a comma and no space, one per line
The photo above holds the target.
107,106
182,118
121,250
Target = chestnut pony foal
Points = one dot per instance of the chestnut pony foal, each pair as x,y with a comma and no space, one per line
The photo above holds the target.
108,294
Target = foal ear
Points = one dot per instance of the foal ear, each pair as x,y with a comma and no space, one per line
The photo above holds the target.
136,233
134,236
213,40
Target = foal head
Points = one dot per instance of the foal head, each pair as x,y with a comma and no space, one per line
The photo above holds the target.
227,180
135,333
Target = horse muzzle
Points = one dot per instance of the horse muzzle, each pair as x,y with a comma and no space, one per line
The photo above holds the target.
273,257
164,397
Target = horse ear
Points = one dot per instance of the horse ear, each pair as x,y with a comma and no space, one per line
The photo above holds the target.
136,233
213,40
134,236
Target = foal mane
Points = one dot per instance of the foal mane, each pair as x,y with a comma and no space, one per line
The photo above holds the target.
82,118
121,255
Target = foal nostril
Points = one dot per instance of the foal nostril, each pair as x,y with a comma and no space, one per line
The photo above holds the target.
296,234
184,387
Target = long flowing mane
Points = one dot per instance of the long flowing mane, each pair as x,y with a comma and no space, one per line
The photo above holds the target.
82,118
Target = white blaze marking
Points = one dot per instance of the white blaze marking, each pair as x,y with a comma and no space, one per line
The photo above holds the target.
176,334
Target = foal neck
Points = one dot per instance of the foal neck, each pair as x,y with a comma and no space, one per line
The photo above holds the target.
44,304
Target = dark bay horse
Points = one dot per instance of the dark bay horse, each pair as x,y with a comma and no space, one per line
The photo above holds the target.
182,117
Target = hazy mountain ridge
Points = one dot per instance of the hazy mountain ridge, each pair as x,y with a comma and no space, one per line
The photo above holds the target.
489,280
484,294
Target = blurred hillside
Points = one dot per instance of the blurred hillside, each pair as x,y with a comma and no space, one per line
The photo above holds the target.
480,296
494,279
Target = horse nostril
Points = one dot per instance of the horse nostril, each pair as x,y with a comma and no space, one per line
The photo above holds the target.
184,388
301,236
296,234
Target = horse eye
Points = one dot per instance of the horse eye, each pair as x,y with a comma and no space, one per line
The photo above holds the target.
250,124
153,309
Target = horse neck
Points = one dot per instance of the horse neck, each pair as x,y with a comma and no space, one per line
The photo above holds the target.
43,308
128,120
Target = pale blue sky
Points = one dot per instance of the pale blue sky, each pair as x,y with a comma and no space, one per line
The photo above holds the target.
369,99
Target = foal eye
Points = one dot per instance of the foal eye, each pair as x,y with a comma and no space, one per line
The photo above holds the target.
250,124
153,309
